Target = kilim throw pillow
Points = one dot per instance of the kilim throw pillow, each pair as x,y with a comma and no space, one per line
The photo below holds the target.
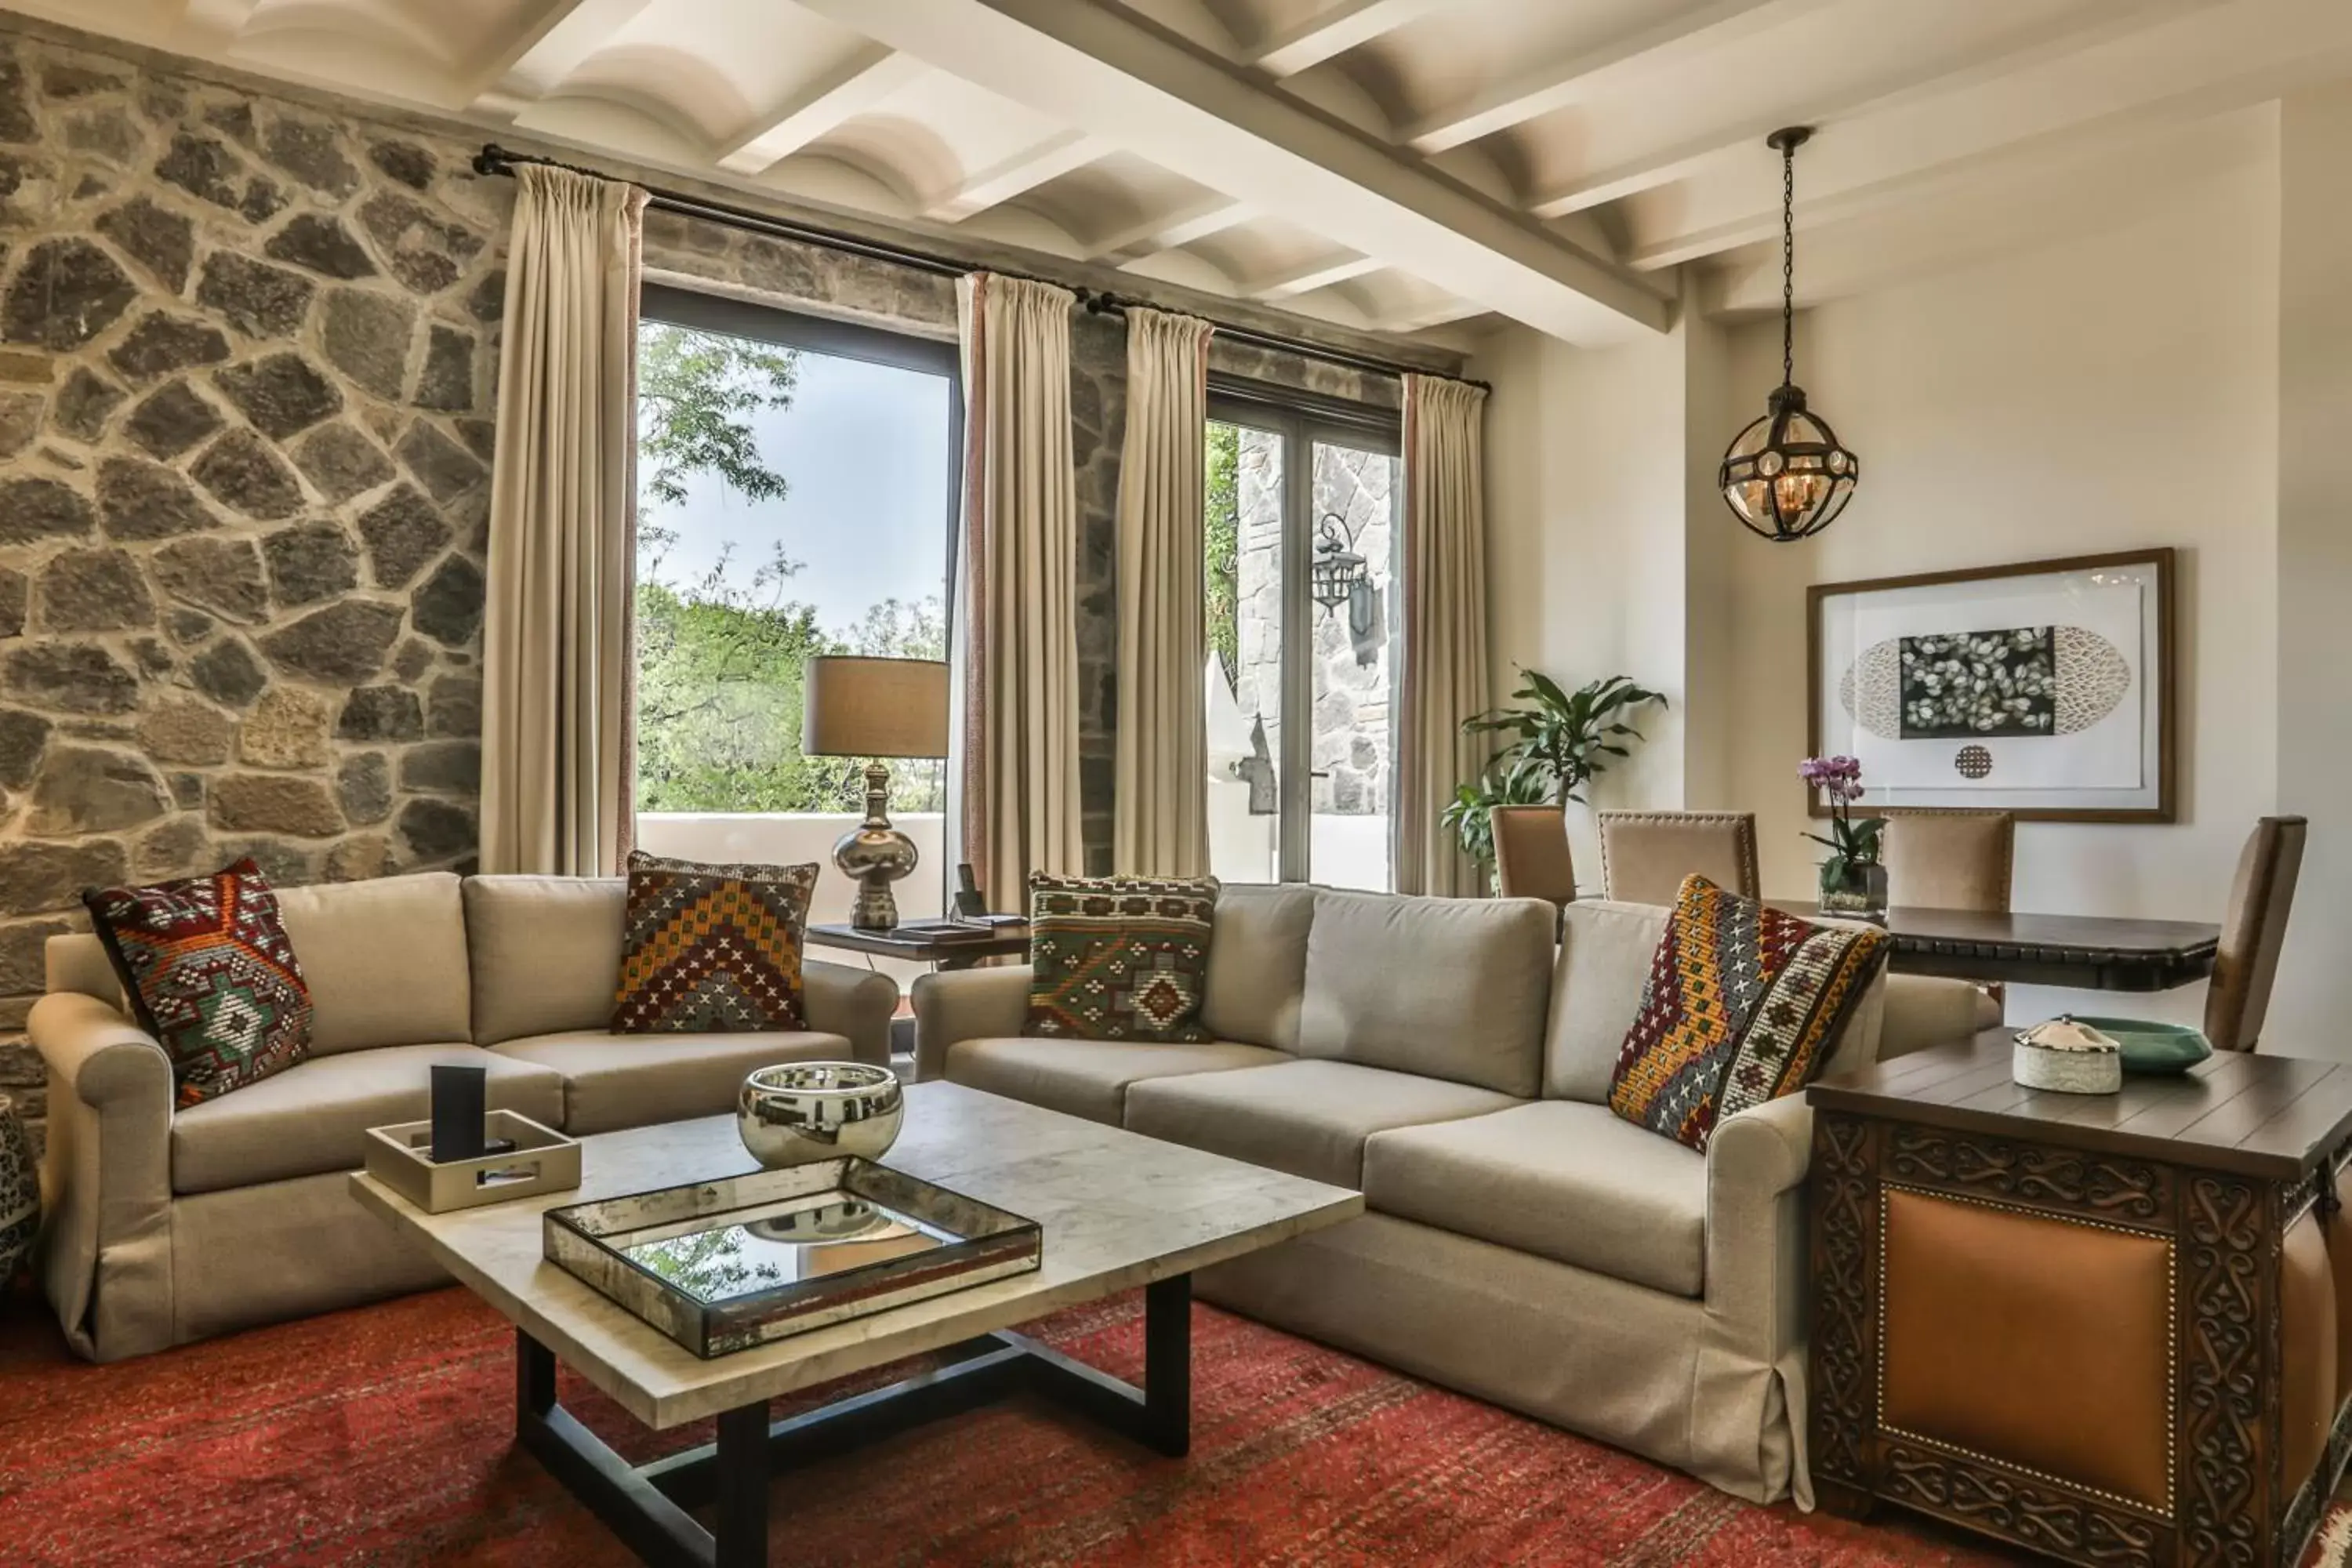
711,949
1119,958
1744,1004
209,973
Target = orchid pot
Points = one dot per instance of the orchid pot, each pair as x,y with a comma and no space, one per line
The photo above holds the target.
1852,878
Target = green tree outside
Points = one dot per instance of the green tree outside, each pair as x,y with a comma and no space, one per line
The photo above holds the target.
719,660
1222,523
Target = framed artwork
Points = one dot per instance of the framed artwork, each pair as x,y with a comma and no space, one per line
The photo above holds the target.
2042,688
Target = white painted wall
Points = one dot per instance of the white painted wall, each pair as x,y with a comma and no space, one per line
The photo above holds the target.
1593,501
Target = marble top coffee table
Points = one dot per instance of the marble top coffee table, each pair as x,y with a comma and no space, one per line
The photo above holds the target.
1117,1210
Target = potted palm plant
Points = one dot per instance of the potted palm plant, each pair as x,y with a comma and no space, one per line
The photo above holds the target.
1559,741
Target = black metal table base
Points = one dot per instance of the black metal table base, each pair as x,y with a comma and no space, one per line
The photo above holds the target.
650,1507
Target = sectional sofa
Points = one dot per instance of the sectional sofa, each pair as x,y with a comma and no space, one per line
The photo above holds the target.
169,1225
1521,1243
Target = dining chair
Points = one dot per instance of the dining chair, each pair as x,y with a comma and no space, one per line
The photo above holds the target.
1532,860
1645,854
2253,930
1939,859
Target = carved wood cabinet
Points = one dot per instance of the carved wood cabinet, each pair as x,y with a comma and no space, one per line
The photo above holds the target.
2103,1328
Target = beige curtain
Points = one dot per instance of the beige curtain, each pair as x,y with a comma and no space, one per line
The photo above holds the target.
558,754
1445,570
1017,631
1162,828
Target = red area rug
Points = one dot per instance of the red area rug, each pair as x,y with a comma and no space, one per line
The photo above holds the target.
381,1437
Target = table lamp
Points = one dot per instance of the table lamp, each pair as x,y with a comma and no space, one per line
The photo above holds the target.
875,708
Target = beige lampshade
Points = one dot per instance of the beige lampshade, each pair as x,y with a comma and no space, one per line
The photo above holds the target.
874,708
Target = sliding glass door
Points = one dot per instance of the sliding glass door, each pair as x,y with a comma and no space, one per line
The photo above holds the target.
1303,506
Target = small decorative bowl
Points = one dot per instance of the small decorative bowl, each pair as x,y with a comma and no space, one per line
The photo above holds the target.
800,1111
2063,1056
2152,1047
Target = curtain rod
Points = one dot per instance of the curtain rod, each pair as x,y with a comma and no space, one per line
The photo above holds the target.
494,159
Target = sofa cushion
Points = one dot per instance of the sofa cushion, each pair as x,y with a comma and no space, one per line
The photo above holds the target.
1744,1004
1308,1118
712,949
209,973
1450,988
1257,963
385,960
546,954
1119,958
1088,1077
314,1116
1559,1178
1596,991
635,1081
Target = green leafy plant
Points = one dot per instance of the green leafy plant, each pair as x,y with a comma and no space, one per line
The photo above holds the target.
1559,742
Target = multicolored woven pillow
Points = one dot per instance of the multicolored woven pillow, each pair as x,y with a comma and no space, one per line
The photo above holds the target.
711,949
1744,1004
1119,958
209,973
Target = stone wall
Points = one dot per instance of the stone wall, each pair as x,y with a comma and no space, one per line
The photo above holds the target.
246,359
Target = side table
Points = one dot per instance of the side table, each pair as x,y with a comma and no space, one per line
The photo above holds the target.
948,952
2103,1327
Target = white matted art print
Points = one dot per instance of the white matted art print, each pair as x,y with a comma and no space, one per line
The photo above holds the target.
2042,688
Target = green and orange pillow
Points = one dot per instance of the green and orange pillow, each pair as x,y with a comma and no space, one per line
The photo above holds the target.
1119,958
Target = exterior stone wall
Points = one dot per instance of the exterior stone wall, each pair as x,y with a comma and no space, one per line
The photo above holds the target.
247,351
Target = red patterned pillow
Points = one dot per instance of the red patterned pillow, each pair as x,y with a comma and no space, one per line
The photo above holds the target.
1744,1004
712,949
210,973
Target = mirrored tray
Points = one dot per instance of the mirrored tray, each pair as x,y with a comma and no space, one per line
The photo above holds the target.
722,1266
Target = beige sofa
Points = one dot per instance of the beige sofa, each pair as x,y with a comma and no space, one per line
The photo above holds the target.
168,1226
1523,1244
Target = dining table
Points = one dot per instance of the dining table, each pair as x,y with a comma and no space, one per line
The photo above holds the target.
2077,953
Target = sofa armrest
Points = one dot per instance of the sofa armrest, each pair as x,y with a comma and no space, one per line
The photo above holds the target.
1757,1281
966,1004
105,1251
843,999
1924,1010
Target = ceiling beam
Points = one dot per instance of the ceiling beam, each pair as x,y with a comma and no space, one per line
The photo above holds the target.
832,101
1423,318
1316,275
1929,76
555,38
2202,65
1026,170
1583,76
1105,70
1335,30
207,26
1166,231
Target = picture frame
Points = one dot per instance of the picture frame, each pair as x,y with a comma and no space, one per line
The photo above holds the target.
2044,689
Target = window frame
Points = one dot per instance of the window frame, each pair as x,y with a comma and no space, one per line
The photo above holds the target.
787,327
1301,419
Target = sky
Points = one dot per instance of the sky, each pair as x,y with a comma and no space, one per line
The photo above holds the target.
865,448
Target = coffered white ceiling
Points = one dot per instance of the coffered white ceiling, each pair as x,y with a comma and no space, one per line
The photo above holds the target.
1401,166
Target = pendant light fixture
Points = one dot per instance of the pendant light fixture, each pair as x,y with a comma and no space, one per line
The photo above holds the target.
1786,477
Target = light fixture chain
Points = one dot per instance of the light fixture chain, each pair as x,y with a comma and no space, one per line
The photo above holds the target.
1788,263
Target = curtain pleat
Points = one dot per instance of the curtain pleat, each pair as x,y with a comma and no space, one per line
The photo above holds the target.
558,752
1444,679
1161,828
1017,635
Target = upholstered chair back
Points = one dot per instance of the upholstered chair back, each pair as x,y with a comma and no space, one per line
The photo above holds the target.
1645,854
2253,930
1948,860
1531,854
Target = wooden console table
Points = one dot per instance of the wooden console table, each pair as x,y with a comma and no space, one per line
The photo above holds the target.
2103,1327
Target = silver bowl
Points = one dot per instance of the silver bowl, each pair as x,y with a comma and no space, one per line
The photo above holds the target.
800,1111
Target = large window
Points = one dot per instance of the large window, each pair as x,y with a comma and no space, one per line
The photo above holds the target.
796,482
1303,503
